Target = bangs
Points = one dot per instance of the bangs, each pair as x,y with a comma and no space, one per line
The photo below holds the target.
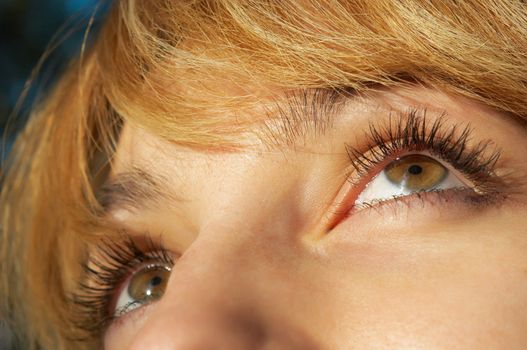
181,68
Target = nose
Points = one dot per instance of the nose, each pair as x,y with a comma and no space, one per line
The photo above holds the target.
201,327
220,296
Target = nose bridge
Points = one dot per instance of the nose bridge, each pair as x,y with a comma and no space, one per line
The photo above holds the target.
215,300
215,276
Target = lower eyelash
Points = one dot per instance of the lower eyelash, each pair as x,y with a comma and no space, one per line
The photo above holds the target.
466,196
116,259
412,132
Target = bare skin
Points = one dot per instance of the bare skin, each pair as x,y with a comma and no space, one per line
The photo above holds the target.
266,262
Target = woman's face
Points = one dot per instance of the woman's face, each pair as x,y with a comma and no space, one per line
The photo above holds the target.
336,236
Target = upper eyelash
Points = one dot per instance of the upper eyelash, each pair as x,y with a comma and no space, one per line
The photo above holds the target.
413,132
117,258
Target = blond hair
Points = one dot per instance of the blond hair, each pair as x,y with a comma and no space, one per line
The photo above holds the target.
162,64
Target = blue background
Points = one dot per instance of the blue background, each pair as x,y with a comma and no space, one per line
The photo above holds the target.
27,29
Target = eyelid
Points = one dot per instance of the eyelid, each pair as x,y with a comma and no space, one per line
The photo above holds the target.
112,263
370,192
450,143
453,143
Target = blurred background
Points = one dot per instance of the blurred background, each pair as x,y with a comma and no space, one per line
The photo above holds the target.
30,30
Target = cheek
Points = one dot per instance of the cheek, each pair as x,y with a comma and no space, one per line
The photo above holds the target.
121,333
444,284
438,285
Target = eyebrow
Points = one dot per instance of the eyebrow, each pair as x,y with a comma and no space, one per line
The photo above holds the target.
133,189
304,112
299,114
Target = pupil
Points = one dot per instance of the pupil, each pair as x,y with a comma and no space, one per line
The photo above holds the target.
415,170
156,281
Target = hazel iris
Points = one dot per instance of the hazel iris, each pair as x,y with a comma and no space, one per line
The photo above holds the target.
416,172
149,284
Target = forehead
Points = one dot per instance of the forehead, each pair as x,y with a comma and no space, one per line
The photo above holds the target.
292,122
279,119
148,166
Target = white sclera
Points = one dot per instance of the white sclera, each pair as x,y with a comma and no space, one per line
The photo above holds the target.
380,188
125,303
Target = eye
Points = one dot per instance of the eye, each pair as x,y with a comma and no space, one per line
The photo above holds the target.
145,285
407,175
